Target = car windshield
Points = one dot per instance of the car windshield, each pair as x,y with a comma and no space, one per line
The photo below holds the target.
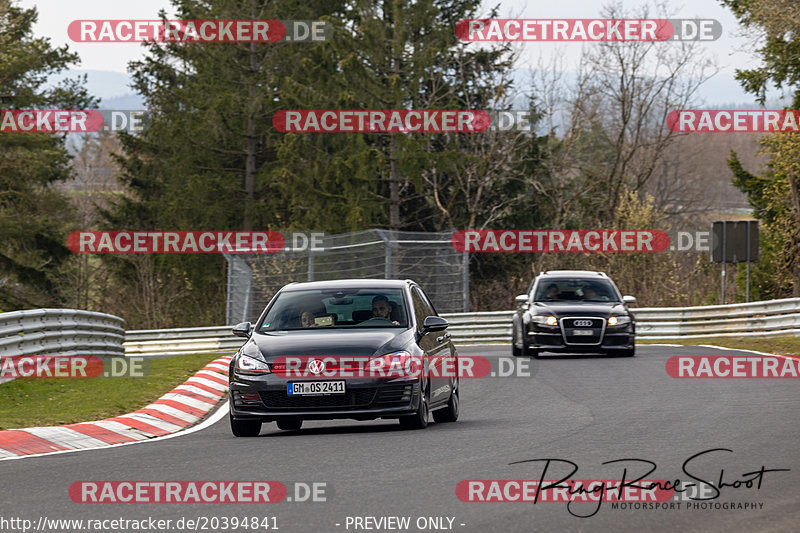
336,308
575,289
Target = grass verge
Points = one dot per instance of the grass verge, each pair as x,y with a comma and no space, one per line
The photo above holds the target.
788,345
54,402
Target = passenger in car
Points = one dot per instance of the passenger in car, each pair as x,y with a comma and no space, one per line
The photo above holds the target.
311,319
381,308
590,293
307,319
552,292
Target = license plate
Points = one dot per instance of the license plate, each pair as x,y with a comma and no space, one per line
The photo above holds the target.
305,388
583,332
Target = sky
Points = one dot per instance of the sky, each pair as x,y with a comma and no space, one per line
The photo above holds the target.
733,50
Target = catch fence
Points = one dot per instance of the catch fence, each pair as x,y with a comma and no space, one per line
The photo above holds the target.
427,258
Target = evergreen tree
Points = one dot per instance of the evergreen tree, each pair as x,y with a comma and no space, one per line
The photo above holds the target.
774,195
34,217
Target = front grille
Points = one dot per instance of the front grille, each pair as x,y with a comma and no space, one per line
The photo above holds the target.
595,325
352,399
299,364
395,395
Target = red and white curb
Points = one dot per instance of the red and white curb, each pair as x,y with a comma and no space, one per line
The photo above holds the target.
180,408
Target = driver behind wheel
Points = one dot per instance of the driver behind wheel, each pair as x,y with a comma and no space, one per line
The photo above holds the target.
381,308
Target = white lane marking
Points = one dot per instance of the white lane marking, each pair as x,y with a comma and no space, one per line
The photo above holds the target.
196,390
210,421
670,345
153,421
743,350
171,411
660,344
66,437
219,378
122,429
208,383
7,454
715,347
186,400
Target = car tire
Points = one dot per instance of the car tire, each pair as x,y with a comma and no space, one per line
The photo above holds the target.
245,428
516,352
630,352
529,352
418,420
449,413
290,424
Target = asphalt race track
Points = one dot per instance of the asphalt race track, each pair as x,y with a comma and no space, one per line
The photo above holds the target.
584,409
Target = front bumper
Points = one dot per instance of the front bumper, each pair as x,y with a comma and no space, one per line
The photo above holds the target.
554,339
265,398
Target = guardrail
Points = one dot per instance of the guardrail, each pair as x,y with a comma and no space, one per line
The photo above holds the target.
62,332
759,319
775,317
75,332
180,341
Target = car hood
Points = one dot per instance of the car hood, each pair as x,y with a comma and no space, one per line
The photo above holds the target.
561,309
364,342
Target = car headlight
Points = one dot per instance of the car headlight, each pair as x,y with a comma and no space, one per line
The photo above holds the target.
394,360
544,320
249,365
619,320
395,364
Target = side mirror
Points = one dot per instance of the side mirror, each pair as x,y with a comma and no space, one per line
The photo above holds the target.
521,301
241,330
629,299
434,323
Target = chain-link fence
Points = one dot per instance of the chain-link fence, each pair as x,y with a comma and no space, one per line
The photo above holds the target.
427,258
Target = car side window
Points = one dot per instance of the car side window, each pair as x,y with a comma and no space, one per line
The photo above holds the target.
429,309
420,311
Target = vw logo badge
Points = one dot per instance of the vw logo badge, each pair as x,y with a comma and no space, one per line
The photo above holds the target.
315,366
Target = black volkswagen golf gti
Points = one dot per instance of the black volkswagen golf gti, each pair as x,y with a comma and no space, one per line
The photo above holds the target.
573,311
331,350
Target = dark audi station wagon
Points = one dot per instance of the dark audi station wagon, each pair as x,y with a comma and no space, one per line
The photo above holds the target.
286,371
573,311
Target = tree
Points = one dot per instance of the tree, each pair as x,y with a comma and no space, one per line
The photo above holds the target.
210,158
34,217
400,55
776,24
774,194
613,121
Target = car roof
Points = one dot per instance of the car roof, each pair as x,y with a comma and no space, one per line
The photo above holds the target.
359,283
573,273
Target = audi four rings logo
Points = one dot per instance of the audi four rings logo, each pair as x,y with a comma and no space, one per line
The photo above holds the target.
582,323
315,366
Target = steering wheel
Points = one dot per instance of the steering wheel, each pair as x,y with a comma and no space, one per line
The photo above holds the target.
375,318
